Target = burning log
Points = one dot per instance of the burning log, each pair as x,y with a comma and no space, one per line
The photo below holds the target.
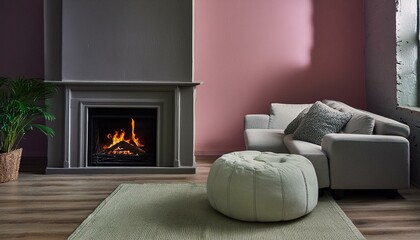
125,146
121,145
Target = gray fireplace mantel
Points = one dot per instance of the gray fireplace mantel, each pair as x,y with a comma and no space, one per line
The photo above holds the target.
125,83
67,152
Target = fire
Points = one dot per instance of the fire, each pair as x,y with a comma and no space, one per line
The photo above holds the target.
116,138
133,134
119,136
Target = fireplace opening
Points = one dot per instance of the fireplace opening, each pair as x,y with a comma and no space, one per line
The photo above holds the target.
122,136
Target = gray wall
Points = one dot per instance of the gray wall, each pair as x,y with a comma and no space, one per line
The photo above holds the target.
384,76
21,54
52,39
127,40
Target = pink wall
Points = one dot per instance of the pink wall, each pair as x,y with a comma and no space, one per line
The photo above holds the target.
250,53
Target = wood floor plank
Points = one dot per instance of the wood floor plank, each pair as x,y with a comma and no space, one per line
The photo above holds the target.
39,206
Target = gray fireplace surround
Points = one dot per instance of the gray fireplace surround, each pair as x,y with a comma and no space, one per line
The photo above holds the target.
67,151
120,54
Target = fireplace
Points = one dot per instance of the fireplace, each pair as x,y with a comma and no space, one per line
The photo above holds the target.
162,115
129,75
122,136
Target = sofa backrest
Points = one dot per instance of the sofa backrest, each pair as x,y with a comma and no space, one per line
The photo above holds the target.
282,114
383,125
387,126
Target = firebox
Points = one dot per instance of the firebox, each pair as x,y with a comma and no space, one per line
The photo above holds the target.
122,136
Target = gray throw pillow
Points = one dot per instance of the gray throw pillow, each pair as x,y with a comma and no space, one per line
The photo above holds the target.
360,123
294,124
319,121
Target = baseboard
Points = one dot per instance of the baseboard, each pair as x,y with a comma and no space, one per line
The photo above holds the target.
212,154
417,185
33,164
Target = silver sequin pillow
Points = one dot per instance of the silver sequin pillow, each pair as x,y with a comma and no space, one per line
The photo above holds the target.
319,121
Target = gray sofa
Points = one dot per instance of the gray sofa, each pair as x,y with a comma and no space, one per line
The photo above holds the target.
343,160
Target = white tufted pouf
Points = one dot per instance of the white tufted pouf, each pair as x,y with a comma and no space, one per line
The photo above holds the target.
262,187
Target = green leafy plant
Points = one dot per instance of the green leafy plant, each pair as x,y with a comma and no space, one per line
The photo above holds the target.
21,104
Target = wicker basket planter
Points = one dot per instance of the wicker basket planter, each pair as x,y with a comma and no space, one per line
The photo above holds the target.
9,165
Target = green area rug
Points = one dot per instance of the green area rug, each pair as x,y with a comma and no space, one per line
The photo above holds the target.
181,211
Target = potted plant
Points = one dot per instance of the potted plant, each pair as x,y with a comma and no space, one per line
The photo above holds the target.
21,104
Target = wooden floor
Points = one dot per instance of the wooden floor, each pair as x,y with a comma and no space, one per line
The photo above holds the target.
41,206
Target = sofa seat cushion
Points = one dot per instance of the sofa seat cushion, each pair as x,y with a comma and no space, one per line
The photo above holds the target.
314,153
265,140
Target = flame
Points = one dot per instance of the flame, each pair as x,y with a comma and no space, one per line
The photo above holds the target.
116,138
119,136
133,135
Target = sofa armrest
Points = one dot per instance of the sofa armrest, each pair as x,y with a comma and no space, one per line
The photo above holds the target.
256,121
367,161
